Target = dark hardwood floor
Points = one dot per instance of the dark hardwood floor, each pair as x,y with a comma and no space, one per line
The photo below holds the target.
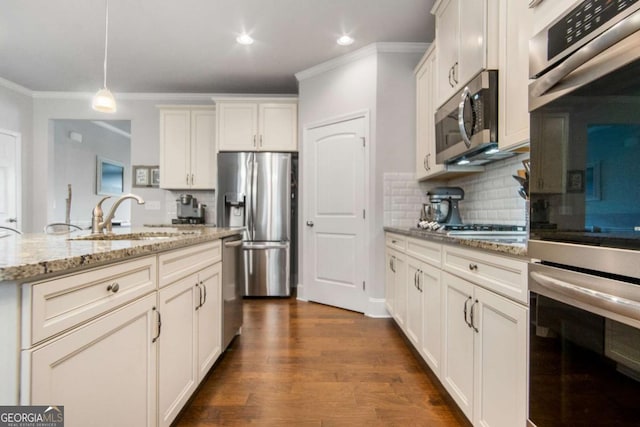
306,364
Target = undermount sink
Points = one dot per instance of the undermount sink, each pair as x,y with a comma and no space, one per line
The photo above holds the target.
151,235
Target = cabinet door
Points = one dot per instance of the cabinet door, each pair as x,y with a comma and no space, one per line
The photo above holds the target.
203,149
472,53
209,318
414,302
177,372
513,52
175,142
389,282
278,127
108,364
237,128
447,44
431,286
400,298
457,366
500,361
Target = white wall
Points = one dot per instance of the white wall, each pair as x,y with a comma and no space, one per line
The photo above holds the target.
378,79
16,115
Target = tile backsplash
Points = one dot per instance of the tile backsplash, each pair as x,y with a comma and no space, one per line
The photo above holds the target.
491,197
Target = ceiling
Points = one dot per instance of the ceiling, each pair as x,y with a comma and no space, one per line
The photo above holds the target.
188,46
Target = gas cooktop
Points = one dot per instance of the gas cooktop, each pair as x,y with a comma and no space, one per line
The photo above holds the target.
486,228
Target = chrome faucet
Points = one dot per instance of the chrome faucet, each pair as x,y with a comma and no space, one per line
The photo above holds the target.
100,225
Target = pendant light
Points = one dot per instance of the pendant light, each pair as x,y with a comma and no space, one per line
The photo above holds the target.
103,100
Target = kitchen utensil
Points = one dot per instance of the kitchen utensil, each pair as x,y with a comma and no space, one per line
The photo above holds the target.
522,181
523,193
527,166
523,174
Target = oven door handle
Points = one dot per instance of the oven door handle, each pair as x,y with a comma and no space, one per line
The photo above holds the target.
612,303
613,35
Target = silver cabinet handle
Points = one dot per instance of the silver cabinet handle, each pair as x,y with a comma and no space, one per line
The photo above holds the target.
233,244
187,179
254,140
473,324
260,140
415,279
204,301
310,224
159,323
199,296
393,263
114,287
464,311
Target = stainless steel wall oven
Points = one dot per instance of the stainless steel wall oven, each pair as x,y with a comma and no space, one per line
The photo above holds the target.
585,217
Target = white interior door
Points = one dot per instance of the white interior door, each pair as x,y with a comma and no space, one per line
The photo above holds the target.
9,179
335,192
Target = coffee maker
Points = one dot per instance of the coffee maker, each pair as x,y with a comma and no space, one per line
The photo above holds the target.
443,205
188,210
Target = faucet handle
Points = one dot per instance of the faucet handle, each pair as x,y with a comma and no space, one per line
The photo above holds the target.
97,210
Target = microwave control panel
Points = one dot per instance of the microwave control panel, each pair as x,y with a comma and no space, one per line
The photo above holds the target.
582,21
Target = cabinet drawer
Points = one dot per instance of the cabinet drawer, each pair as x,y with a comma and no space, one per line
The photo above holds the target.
506,276
177,264
426,251
59,304
396,241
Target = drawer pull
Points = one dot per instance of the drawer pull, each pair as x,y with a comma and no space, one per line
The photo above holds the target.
394,241
473,323
114,287
473,267
465,311
159,323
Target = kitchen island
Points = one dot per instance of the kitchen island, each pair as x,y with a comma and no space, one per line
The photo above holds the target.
130,322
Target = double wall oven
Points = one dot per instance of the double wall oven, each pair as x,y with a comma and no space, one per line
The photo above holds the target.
585,217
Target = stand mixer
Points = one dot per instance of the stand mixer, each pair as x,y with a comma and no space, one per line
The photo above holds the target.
442,209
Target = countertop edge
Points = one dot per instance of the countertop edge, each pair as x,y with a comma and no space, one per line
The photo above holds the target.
517,250
56,265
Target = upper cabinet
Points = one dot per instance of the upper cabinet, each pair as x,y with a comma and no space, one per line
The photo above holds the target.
187,147
257,125
465,41
515,21
425,110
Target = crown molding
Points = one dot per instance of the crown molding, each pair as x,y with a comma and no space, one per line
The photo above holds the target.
15,87
371,49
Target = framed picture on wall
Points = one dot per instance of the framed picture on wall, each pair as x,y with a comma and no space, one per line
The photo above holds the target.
109,177
155,176
141,176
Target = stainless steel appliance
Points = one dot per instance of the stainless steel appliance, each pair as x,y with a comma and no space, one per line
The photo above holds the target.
232,290
188,210
467,124
585,216
443,205
254,191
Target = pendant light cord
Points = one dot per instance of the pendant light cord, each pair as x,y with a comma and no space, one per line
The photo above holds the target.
106,38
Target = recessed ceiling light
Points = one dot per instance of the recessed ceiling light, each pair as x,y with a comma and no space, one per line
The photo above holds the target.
245,39
345,41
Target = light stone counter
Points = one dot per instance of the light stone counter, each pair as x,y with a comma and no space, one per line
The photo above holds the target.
39,255
516,249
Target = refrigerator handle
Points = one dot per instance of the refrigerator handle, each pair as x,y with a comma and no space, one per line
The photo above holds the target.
248,205
254,195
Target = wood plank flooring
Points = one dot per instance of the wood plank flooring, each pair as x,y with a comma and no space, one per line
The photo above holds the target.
306,364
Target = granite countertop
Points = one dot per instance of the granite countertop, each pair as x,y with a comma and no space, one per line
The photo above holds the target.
37,255
517,249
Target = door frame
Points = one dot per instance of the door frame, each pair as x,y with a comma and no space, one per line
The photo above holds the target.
304,247
18,159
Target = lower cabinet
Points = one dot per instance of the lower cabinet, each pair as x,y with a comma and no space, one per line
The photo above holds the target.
469,324
103,373
485,348
190,338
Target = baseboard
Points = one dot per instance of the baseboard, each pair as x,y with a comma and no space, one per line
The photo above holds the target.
376,308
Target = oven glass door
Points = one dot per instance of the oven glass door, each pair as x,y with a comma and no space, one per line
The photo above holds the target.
584,367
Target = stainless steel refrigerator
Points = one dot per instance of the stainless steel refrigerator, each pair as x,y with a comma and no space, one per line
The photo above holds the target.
254,191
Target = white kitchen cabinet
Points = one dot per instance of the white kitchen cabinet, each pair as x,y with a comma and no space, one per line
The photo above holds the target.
246,125
414,302
485,348
399,268
431,289
466,42
103,372
187,147
515,22
190,341
389,282
426,166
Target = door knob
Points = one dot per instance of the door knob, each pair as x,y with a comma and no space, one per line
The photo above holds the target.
309,223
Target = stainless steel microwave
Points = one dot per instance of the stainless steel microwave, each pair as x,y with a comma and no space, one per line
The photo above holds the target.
467,124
